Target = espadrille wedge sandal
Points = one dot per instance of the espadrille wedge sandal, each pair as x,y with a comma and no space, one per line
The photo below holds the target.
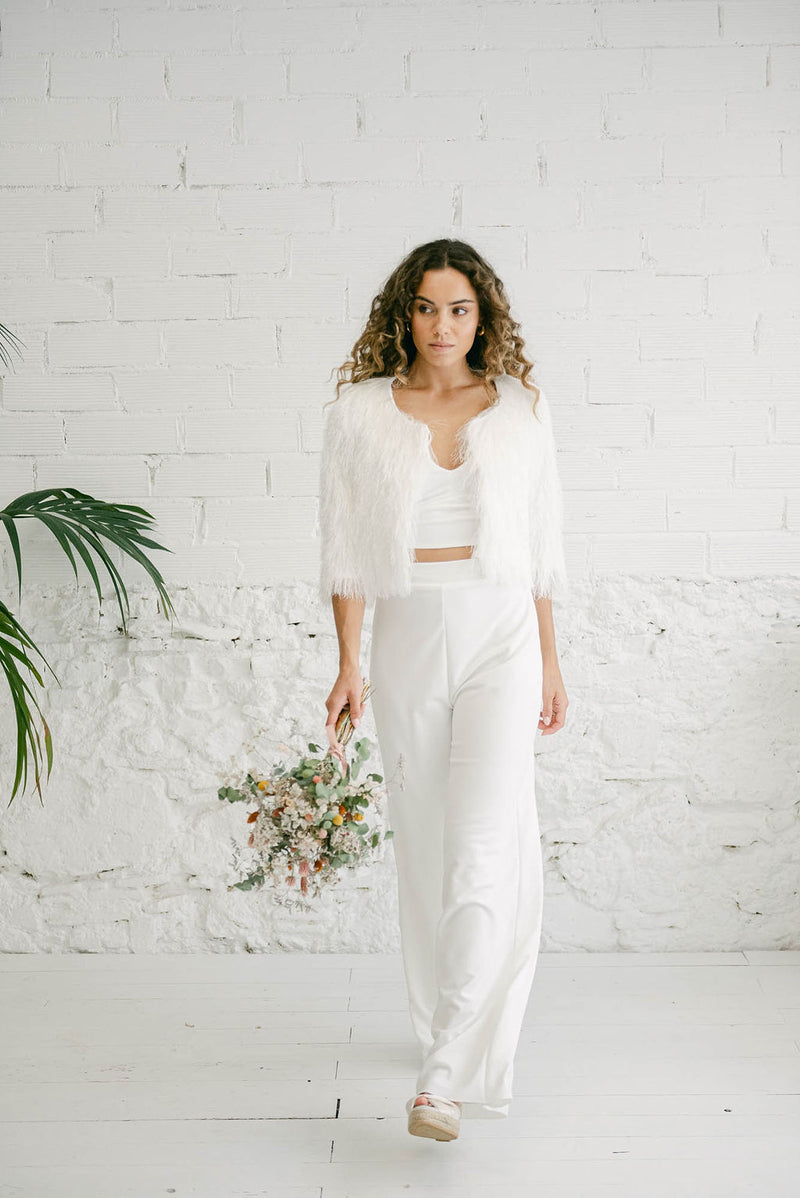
438,1119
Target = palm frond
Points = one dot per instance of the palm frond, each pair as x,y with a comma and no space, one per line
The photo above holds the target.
78,520
14,643
8,341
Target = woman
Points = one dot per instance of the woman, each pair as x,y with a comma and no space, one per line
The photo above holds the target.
440,500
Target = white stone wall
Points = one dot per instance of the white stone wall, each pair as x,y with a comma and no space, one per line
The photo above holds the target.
197,205
667,804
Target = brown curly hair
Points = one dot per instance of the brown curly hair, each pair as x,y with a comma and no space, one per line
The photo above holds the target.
386,346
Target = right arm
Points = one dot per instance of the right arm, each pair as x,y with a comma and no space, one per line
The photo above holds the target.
339,575
348,615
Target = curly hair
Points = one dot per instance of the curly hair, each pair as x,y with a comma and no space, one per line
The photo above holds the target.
386,346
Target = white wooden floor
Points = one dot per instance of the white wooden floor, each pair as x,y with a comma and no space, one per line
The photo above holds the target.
637,1076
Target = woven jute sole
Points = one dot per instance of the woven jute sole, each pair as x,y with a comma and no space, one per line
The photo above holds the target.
424,1120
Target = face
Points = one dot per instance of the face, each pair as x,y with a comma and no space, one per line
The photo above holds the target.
445,313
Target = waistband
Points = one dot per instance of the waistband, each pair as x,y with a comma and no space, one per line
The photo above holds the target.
458,569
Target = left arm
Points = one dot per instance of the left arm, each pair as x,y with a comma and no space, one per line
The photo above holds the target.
554,696
549,566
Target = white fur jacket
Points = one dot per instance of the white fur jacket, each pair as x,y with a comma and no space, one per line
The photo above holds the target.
372,464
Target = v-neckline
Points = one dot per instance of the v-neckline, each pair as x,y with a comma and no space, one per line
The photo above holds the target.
461,433
439,466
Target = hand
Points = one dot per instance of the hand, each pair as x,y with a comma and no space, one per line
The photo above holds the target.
347,688
554,701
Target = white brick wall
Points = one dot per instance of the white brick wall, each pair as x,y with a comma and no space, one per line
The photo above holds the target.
197,204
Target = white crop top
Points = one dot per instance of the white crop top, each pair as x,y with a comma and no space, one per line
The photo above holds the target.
444,515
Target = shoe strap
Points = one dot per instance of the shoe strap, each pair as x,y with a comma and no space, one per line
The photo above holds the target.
447,1105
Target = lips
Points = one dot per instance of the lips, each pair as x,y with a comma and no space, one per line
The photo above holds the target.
440,345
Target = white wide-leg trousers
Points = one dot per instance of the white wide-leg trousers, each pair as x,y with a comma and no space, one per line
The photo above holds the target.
457,674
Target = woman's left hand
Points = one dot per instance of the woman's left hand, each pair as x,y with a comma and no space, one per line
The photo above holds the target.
554,701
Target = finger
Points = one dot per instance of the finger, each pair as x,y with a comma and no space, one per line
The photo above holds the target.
335,746
330,729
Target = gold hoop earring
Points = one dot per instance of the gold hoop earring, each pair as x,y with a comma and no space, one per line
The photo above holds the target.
480,331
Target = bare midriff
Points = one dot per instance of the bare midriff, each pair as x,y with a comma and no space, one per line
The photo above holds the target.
443,555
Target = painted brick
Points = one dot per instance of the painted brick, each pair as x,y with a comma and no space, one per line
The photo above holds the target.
198,204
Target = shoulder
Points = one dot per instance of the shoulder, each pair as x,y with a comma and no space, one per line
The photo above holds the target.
353,396
528,400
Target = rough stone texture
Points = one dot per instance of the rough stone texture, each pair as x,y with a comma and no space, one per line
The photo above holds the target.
668,805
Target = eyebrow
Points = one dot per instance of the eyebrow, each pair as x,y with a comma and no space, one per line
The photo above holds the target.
429,301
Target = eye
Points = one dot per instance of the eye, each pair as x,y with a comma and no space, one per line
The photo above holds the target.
427,308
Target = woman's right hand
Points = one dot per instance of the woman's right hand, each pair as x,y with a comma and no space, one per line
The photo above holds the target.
346,689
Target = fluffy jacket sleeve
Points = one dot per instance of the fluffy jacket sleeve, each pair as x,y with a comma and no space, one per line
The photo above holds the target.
338,522
547,547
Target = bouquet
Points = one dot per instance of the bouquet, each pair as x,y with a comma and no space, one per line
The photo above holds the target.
309,821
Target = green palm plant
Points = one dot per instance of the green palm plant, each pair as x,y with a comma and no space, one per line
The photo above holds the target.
77,521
